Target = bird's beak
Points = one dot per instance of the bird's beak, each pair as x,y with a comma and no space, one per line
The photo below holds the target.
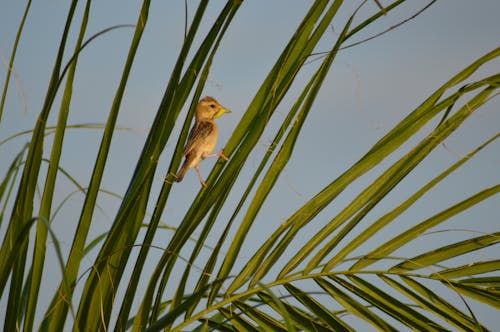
221,112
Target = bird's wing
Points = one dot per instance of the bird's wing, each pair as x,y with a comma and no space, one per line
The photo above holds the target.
199,132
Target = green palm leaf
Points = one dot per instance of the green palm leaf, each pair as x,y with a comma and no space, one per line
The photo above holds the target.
305,275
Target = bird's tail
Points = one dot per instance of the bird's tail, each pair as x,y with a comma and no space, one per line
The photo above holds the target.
180,175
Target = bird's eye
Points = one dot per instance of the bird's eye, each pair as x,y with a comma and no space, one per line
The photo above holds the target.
212,105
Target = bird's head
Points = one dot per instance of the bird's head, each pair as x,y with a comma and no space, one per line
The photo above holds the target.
209,108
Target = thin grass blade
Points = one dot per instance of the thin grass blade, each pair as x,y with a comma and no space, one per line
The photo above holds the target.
49,189
447,252
468,270
353,306
417,230
489,297
262,319
321,312
306,321
392,215
389,304
435,305
238,321
10,67
23,206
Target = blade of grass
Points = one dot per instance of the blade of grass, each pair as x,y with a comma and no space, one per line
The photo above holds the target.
440,308
383,148
420,228
324,314
292,314
389,179
392,215
23,206
488,297
171,316
303,105
10,259
389,304
238,322
101,286
22,237
379,188
493,282
446,252
468,270
57,312
275,254
200,243
353,306
441,302
217,326
262,319
271,300
49,189
51,129
10,177
10,68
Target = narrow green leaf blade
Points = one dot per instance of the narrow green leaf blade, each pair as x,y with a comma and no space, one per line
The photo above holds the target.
389,304
354,307
468,270
446,252
325,315
238,321
434,305
419,229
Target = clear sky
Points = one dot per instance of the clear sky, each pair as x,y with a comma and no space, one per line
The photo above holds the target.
371,87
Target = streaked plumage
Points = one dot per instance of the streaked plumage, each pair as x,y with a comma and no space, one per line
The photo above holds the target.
203,137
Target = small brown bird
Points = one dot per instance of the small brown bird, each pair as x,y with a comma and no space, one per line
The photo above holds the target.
203,137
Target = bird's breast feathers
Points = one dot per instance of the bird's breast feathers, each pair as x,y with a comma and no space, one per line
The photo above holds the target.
202,138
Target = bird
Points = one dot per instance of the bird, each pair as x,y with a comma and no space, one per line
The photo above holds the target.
202,137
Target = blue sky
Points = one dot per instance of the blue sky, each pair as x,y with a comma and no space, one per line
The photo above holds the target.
371,87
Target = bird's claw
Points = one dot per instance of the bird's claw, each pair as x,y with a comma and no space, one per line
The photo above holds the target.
223,156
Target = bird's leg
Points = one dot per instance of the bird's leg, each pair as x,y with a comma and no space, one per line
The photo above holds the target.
222,155
218,154
197,169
